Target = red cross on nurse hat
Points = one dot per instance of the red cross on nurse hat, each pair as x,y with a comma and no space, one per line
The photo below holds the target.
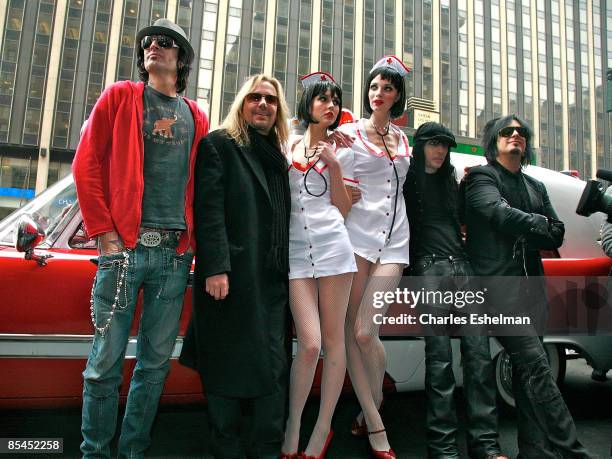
315,77
393,63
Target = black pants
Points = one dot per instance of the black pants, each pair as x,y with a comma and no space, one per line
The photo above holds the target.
263,418
450,274
545,427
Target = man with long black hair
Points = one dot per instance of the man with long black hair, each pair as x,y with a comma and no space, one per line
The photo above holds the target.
509,219
134,176
438,258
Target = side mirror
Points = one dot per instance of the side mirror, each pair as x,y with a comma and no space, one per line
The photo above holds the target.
29,236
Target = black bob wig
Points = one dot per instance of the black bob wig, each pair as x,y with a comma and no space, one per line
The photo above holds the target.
313,91
398,83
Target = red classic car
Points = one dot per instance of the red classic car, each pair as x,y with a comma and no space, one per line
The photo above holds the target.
46,333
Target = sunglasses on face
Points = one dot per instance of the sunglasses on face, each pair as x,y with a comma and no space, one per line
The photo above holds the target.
255,98
163,41
509,130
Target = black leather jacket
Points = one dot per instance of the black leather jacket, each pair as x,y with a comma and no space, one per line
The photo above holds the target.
503,240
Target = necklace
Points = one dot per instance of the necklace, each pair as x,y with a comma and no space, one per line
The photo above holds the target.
384,132
307,156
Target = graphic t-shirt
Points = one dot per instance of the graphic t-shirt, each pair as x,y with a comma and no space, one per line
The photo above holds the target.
168,131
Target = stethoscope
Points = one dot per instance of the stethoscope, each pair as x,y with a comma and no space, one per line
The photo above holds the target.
308,157
382,136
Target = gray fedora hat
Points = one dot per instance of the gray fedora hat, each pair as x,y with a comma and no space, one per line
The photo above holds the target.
165,26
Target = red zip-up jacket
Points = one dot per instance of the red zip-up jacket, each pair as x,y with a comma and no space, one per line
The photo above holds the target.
109,161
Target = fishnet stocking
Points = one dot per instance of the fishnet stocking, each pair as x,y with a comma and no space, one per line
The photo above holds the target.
319,310
366,354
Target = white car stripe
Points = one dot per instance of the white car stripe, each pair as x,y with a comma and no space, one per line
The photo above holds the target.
61,346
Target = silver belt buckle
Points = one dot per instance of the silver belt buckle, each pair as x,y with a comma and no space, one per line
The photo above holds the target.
150,238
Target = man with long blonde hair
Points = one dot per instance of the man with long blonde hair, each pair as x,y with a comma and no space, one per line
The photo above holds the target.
236,338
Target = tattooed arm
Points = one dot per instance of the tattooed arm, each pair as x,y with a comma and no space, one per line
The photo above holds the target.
109,243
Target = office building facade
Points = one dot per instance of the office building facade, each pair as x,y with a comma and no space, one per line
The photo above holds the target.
471,60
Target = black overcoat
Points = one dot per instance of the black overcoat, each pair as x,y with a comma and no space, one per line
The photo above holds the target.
237,344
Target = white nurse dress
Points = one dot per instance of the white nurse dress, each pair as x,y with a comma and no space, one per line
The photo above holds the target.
370,219
319,244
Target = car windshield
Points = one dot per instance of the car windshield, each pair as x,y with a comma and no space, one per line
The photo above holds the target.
47,209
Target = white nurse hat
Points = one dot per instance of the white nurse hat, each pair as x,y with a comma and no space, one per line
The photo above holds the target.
393,63
312,78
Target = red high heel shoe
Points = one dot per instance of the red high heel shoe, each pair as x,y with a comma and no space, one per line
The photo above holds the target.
360,429
323,451
390,454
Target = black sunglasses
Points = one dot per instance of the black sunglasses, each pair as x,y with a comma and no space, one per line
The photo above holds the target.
509,130
255,97
163,41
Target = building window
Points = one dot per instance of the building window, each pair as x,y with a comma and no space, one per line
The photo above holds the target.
496,95
207,55
511,56
70,48
327,36
463,63
586,108
280,41
127,48
369,34
348,34
479,52
304,37
427,64
600,82
99,50
183,15
17,173
408,43
445,66
232,56
38,72
258,36
8,64
158,10
389,31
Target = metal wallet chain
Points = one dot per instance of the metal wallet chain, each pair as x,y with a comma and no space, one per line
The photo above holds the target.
123,265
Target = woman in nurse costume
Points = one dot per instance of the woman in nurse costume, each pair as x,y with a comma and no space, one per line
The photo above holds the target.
378,228
321,261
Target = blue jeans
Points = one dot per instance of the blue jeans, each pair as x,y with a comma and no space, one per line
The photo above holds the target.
163,275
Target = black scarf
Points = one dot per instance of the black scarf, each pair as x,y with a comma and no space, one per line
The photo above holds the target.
274,165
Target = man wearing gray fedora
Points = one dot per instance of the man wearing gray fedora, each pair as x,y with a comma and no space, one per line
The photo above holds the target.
134,175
